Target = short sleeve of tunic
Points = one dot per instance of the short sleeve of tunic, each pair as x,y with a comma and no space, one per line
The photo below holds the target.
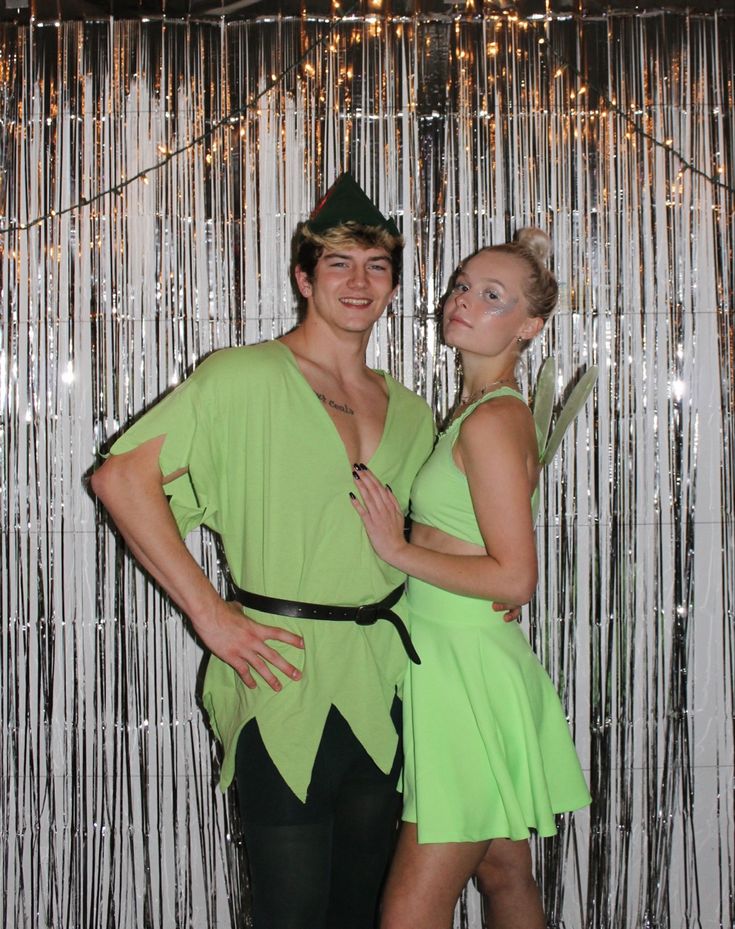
187,418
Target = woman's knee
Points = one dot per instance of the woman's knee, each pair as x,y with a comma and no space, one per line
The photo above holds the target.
505,867
391,917
413,917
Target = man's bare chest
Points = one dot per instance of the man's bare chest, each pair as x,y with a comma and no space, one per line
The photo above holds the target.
358,413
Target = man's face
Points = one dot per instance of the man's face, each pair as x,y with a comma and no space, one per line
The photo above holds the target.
350,289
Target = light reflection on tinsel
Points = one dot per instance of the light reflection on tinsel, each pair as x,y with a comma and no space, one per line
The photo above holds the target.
465,129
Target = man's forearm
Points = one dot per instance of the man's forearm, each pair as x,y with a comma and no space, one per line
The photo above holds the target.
131,488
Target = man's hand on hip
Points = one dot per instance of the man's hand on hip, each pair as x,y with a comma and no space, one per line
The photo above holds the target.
241,642
131,487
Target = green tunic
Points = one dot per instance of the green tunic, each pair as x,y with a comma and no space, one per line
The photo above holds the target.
268,472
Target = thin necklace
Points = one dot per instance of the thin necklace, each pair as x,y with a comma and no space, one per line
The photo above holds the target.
477,394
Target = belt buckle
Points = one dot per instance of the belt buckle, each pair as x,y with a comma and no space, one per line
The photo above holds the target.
366,615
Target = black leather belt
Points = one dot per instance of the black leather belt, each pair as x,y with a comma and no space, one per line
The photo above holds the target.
365,615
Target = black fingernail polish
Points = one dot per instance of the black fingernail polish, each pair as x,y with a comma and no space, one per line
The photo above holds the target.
356,475
389,488
352,496
363,467
355,466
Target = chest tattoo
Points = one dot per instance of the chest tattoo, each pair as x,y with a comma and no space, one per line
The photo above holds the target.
340,407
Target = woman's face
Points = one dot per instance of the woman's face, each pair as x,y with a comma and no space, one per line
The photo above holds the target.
487,311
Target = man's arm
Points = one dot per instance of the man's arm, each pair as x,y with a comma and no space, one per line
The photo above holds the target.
130,486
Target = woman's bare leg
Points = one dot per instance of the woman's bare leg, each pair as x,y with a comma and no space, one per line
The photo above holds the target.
425,881
506,879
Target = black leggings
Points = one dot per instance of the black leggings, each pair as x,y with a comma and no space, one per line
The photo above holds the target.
319,864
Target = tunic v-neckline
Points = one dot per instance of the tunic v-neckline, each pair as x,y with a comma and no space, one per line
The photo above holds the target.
387,422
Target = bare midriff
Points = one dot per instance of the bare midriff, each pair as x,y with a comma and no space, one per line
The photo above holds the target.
439,541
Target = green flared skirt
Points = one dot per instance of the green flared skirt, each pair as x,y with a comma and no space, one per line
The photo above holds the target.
488,752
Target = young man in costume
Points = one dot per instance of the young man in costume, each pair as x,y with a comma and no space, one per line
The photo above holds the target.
259,445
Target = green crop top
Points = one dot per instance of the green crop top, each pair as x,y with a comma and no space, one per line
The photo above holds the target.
440,496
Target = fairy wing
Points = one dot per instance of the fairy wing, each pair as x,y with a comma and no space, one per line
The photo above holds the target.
543,400
543,405
568,413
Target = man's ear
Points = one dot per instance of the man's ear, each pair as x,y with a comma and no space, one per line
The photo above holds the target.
302,281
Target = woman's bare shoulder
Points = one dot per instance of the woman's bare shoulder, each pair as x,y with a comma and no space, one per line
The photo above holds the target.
499,419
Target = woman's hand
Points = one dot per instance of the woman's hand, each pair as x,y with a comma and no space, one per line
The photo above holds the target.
381,515
510,613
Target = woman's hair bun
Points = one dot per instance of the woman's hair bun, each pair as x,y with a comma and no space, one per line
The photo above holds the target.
534,240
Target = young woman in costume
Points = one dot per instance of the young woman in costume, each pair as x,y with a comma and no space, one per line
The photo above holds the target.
488,754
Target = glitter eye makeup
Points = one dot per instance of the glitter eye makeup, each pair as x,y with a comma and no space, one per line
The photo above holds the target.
493,294
497,306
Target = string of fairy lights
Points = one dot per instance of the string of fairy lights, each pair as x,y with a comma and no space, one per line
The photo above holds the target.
233,116
667,144
553,58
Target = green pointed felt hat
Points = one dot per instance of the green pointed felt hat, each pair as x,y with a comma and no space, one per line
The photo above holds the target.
346,202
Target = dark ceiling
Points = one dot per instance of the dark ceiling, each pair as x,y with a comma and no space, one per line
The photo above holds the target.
21,11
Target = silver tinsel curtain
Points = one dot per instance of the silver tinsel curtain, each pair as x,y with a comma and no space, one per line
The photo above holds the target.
208,144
